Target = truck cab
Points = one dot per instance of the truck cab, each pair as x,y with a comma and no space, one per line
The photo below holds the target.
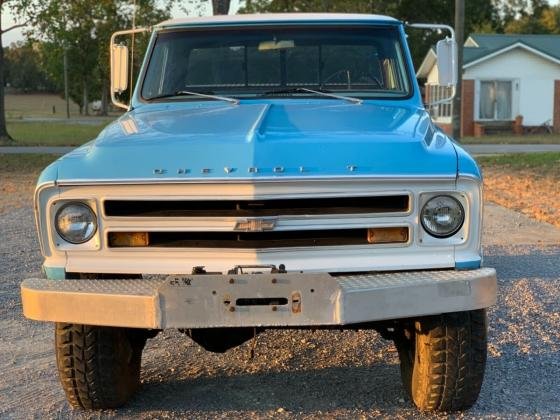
271,171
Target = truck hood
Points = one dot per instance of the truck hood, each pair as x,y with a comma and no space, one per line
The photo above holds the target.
286,138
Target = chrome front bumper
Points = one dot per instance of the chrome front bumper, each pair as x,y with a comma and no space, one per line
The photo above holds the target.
289,300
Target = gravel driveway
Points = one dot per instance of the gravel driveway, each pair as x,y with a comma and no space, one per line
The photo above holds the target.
303,374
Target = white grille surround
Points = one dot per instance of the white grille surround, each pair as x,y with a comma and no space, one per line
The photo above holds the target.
421,251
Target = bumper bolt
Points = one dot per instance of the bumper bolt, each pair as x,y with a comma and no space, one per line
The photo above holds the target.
231,281
274,281
274,309
232,308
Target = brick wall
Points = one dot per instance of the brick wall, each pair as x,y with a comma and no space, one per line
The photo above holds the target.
556,108
467,108
447,128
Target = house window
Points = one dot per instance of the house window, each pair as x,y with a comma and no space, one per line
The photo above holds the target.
495,100
437,93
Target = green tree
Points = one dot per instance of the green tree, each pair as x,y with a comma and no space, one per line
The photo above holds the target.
220,7
477,12
68,26
114,15
23,68
4,135
200,7
530,17
82,29
550,19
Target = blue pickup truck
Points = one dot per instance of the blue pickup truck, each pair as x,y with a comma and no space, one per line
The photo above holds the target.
271,171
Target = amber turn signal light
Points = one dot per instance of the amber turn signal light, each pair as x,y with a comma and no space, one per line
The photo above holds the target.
387,235
129,239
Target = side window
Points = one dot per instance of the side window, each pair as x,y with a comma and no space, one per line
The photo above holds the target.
154,82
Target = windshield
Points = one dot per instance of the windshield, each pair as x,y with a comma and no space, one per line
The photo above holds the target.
358,61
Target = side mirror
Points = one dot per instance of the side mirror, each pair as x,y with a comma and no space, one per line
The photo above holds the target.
120,65
446,51
119,68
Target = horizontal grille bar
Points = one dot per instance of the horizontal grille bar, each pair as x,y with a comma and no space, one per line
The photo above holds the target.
247,208
276,239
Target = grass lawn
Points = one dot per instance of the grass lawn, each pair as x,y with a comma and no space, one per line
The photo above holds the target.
543,162
21,164
38,105
528,183
52,133
18,175
512,139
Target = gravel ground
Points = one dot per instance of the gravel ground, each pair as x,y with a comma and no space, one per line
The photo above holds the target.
303,374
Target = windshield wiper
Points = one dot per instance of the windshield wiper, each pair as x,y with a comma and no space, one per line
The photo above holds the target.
316,92
233,101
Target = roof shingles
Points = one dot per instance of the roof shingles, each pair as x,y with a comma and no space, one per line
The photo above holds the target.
490,43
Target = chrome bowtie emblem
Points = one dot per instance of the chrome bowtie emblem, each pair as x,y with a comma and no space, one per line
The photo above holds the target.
255,225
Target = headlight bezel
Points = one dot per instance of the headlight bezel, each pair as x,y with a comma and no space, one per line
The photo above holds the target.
86,206
450,233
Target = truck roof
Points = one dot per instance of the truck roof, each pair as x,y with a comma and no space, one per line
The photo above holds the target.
275,18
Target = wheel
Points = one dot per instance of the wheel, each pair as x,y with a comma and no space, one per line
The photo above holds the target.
99,367
443,359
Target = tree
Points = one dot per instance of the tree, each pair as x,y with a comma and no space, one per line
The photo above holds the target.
81,29
477,12
67,26
200,7
220,7
530,17
4,135
23,69
114,15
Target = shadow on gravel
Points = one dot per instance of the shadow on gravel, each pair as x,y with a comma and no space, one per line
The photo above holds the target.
311,391
524,262
520,385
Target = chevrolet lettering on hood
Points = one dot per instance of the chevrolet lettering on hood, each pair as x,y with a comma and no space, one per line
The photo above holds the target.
269,171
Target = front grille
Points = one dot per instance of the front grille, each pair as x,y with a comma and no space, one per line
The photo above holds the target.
255,208
243,240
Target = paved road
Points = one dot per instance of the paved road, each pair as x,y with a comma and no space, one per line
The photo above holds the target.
35,149
476,149
303,374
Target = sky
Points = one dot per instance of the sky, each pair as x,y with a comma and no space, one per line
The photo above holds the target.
17,34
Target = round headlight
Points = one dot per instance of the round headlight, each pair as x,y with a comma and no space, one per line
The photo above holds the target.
76,223
442,216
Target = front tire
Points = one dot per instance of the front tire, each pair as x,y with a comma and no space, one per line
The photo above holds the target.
443,359
99,367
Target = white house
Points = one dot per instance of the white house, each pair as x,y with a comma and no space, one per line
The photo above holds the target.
504,77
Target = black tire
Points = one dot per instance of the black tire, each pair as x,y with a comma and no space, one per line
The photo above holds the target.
99,367
443,360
